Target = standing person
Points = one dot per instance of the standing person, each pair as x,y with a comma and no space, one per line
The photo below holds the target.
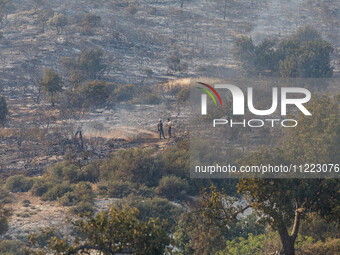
169,124
160,129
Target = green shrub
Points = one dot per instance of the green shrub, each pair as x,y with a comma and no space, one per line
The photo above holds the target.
81,193
176,160
90,173
82,208
120,189
134,165
145,191
172,187
153,207
11,247
63,172
3,223
4,196
330,247
125,92
19,183
96,92
40,187
68,199
56,192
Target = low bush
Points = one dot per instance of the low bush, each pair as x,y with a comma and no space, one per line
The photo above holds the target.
83,208
57,191
172,187
125,92
19,183
120,189
81,192
11,247
40,187
330,247
153,207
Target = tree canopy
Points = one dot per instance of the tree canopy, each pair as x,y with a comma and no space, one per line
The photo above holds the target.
113,232
305,54
282,203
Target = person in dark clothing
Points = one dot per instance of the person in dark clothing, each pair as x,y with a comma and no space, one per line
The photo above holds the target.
160,129
169,124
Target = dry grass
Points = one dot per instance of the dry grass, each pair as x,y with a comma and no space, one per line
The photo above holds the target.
6,132
186,82
124,132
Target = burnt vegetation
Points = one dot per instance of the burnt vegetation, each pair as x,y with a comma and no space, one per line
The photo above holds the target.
83,84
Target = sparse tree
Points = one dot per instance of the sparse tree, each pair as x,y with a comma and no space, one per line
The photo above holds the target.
3,111
38,3
52,84
59,21
175,64
89,22
220,6
44,16
90,62
5,7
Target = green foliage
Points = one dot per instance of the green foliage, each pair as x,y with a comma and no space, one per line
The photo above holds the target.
118,189
95,92
43,237
83,208
52,84
253,245
11,247
305,54
81,192
195,235
89,22
3,111
318,228
113,232
172,187
40,187
176,160
90,62
5,212
56,191
59,21
290,199
125,92
135,165
330,247
4,195
18,183
71,173
153,207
